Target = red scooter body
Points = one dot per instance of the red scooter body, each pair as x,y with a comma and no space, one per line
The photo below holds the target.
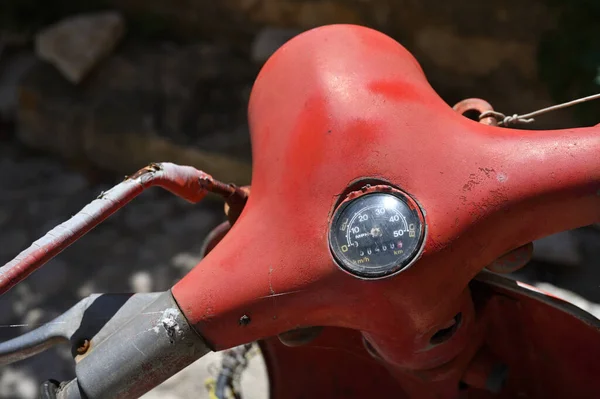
341,104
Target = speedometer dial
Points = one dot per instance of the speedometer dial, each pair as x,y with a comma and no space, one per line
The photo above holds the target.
376,234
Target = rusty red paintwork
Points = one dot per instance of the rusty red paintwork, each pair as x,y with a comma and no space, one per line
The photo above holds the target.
478,105
336,365
340,103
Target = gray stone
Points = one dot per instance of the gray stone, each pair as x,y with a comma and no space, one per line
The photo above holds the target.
198,222
50,278
140,215
33,319
190,382
571,297
186,261
23,298
47,210
12,242
4,216
561,248
141,281
7,312
26,175
12,69
76,44
268,40
183,104
67,184
17,383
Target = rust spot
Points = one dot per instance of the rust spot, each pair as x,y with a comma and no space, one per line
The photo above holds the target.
487,171
151,168
83,347
473,181
477,105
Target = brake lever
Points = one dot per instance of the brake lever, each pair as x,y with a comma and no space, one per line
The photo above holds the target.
92,319
133,342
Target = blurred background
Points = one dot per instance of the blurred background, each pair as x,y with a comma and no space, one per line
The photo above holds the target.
93,90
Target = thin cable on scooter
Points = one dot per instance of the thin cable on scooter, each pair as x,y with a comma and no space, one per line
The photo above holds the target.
504,120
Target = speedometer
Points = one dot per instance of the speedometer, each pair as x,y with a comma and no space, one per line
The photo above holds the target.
376,233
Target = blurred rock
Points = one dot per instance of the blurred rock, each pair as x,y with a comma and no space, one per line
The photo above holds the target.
191,381
16,383
475,55
13,39
195,222
571,297
76,44
33,319
139,216
186,261
147,103
499,39
12,69
141,282
268,41
4,216
50,278
562,248
6,312
12,242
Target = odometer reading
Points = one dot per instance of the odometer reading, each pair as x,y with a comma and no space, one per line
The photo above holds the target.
376,234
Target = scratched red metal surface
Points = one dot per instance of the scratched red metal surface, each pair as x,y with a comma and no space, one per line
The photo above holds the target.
335,365
534,338
340,103
184,181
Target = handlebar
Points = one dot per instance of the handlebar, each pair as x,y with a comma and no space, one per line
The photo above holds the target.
126,344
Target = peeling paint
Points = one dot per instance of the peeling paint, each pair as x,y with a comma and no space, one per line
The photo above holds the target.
501,177
169,322
271,290
280,294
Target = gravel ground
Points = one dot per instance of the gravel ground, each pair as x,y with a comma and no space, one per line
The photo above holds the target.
147,246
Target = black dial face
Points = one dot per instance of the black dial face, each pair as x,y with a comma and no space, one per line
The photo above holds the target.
375,235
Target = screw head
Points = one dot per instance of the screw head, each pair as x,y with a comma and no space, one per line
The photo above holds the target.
244,320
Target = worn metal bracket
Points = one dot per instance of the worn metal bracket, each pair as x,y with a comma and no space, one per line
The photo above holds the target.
92,319
144,336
